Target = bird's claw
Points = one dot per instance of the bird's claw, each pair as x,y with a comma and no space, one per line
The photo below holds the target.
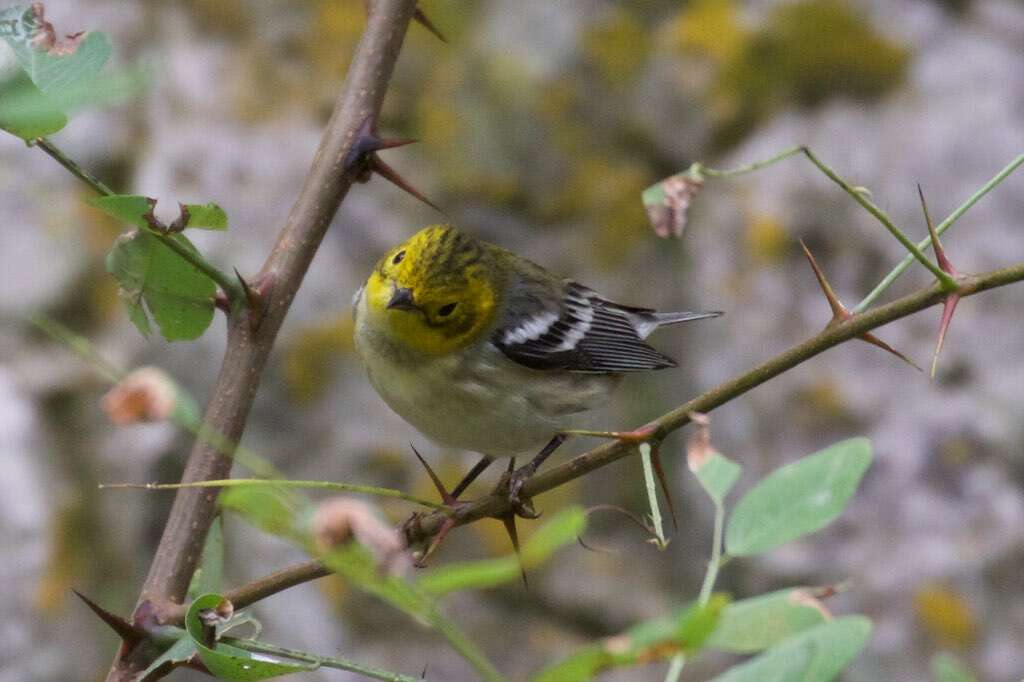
512,485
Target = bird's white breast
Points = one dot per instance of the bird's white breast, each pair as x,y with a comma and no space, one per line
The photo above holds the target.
476,399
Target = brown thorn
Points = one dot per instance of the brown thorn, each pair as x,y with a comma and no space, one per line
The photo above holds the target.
660,472
948,308
940,253
382,169
839,311
256,300
250,295
841,314
435,542
129,634
368,140
952,298
441,490
421,18
877,342
509,521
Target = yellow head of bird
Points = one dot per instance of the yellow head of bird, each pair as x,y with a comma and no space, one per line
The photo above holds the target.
436,292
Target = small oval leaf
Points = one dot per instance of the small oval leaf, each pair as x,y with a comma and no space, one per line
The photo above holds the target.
798,498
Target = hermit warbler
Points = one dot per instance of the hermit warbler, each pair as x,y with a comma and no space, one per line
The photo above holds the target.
483,350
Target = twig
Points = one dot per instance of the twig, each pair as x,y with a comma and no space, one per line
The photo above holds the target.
939,229
259,589
322,661
947,282
652,496
716,555
72,166
700,170
248,348
279,483
495,505
196,260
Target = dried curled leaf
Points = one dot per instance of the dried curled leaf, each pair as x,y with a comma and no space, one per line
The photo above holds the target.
338,520
668,203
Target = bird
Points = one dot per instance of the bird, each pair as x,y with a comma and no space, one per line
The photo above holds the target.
481,349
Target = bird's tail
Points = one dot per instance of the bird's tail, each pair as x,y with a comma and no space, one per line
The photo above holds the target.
663,319
652,320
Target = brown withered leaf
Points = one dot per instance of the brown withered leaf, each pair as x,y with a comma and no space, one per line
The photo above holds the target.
45,38
668,202
339,520
146,395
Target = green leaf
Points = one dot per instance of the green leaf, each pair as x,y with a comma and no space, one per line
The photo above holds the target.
207,577
208,216
278,512
52,73
231,663
48,87
273,510
180,652
754,624
717,475
816,655
946,667
177,295
562,529
26,112
128,208
659,639
798,498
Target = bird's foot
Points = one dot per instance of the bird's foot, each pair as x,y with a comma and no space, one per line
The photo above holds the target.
511,485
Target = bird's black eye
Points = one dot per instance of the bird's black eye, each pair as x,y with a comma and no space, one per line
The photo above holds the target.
398,258
447,309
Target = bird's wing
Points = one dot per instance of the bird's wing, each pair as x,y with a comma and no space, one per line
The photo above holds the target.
581,333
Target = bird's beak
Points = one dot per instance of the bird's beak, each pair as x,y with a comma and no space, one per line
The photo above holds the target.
402,299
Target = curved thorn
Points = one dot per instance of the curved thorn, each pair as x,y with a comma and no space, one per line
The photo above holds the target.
421,18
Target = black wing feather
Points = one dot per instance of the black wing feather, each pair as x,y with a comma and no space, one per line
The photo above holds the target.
585,333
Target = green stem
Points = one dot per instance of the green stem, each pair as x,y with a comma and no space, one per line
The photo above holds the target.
675,668
229,285
323,661
716,556
748,168
940,228
281,483
652,494
72,166
184,419
79,344
466,648
947,282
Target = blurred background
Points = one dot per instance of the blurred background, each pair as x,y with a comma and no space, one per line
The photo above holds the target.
539,124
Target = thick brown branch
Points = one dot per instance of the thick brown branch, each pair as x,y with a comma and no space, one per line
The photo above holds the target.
259,589
497,505
248,344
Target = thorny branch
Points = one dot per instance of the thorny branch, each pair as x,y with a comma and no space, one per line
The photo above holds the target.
496,505
250,341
